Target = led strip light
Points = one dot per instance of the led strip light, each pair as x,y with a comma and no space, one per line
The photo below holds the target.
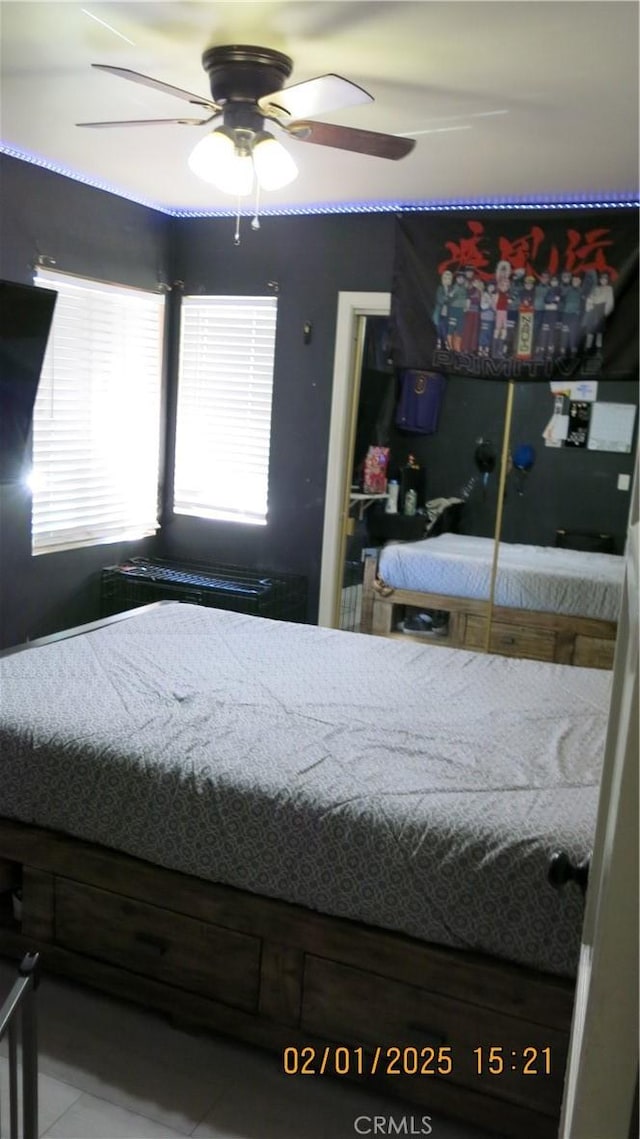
592,200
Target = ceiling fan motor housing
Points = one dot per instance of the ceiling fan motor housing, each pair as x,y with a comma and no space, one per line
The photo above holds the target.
240,75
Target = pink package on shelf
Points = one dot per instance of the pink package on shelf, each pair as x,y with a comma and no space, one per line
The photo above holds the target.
375,470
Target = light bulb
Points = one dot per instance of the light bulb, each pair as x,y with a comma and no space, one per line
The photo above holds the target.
237,179
274,165
211,154
215,159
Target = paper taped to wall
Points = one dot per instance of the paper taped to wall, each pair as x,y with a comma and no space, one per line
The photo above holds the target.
556,431
612,427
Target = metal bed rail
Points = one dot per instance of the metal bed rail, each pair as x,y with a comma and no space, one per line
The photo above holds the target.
18,1021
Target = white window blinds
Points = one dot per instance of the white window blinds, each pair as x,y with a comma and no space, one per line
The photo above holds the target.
96,424
225,387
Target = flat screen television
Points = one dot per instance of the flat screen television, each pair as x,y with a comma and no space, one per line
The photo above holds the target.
26,312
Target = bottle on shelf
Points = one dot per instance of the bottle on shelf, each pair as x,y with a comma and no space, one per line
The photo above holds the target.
410,502
411,479
393,490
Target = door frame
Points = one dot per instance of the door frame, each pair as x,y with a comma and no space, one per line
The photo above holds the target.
351,307
602,1070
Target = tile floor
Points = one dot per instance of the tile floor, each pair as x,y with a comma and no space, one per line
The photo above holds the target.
109,1070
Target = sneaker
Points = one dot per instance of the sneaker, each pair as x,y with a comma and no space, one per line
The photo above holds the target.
440,623
420,623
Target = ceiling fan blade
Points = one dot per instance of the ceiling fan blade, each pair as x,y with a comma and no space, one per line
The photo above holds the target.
147,123
147,81
314,97
351,138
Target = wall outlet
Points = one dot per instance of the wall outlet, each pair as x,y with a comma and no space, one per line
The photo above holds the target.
624,482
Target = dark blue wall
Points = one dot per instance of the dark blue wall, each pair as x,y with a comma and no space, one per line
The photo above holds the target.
90,232
312,259
568,488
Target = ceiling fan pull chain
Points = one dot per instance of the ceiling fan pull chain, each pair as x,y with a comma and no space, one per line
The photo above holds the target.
255,220
236,236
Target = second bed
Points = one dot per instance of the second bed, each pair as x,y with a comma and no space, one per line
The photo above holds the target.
549,603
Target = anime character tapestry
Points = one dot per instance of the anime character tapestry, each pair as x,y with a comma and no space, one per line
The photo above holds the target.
517,295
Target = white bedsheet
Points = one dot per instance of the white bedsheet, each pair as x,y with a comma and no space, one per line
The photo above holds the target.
544,578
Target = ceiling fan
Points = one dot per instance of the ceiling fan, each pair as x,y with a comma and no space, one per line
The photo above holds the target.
247,88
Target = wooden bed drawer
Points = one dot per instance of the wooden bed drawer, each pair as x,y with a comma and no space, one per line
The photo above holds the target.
511,640
157,943
353,1007
593,652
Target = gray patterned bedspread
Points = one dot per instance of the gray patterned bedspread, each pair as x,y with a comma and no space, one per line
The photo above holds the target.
545,578
415,788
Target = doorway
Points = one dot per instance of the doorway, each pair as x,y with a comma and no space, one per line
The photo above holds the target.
353,309
368,460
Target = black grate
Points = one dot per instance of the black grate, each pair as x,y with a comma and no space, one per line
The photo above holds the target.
351,597
259,593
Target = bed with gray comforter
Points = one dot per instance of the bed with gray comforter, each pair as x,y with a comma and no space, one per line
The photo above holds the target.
415,790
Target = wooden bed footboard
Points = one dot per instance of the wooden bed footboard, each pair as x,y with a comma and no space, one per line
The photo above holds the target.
584,641
411,1019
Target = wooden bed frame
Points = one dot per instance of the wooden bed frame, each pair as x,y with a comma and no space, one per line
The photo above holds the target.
585,641
370,1002
279,976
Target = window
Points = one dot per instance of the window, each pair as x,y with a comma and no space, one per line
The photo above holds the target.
96,423
225,387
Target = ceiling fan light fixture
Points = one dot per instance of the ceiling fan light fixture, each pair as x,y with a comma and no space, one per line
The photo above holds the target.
211,152
217,159
273,164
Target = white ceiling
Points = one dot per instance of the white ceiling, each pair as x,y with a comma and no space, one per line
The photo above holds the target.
510,99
